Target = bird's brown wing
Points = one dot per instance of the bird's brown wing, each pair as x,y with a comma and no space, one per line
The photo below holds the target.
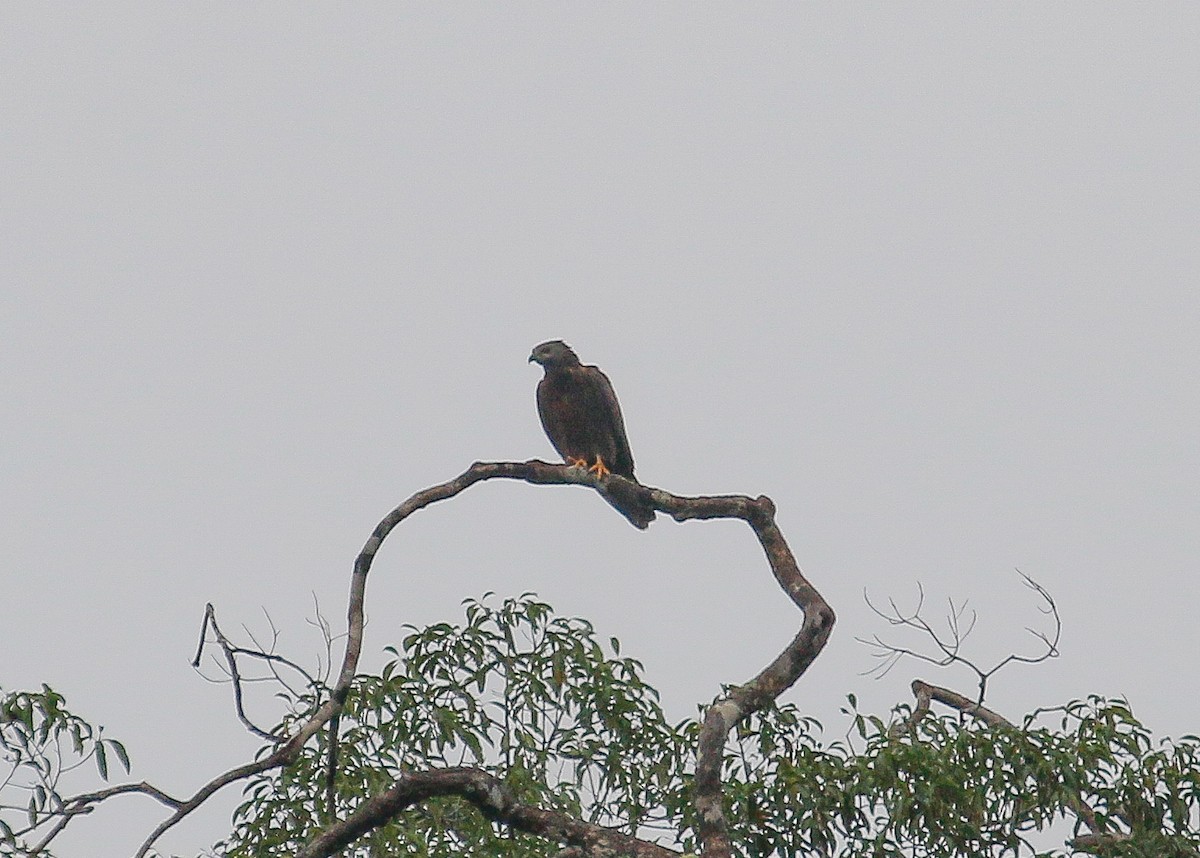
605,421
558,417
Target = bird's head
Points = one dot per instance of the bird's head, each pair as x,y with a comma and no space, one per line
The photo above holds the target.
553,353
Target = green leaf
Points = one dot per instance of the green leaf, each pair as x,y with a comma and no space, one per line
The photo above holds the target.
122,754
101,760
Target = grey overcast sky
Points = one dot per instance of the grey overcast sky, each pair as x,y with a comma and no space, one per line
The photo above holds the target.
925,274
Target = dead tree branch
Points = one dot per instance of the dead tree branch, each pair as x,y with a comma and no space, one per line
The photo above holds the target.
925,693
949,647
231,652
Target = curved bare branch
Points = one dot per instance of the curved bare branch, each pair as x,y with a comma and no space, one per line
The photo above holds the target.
496,801
744,700
478,787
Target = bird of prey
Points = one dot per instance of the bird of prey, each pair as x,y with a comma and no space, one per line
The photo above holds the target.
582,418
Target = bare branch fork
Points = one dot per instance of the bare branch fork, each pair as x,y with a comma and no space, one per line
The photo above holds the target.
949,647
481,788
231,652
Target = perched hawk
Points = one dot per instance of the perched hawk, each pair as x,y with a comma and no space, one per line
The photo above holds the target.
582,418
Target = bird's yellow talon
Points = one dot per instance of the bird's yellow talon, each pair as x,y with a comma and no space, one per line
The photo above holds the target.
600,469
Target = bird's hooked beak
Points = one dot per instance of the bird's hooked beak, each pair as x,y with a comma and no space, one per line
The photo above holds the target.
533,358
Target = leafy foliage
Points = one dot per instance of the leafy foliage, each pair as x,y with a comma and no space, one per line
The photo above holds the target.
571,725
517,691
40,743
568,723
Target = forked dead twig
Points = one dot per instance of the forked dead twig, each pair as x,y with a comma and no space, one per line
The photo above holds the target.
948,645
